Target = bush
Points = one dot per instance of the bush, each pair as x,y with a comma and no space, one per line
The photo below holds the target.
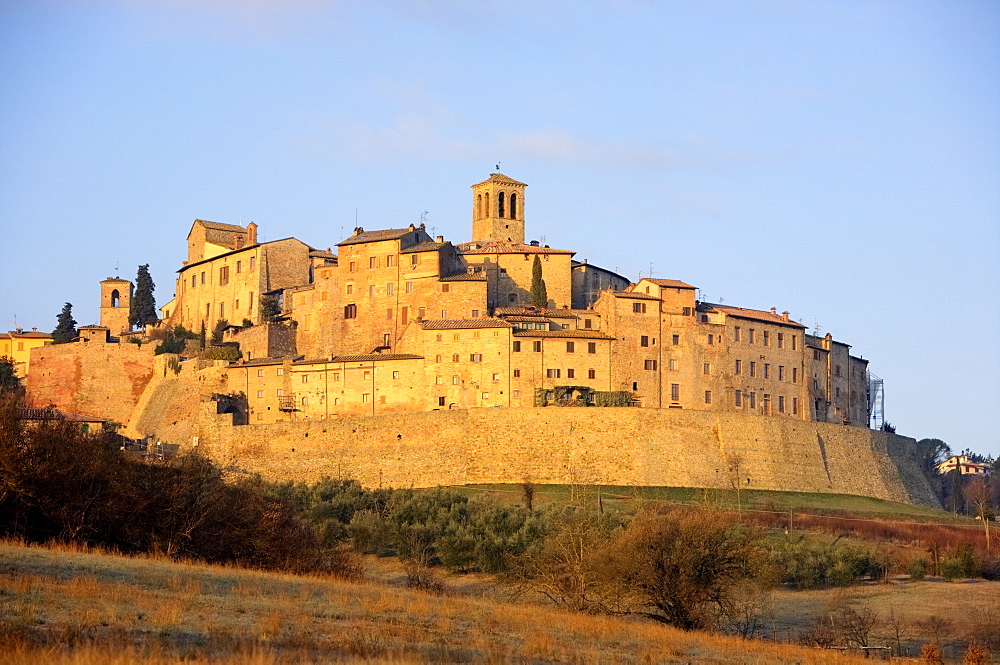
918,569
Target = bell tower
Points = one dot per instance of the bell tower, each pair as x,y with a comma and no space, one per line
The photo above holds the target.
116,301
498,209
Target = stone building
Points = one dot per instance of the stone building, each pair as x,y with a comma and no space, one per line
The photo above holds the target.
397,321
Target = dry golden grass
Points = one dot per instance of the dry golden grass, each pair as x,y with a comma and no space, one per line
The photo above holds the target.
81,608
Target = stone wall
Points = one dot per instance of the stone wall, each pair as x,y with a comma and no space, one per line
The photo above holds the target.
617,446
90,378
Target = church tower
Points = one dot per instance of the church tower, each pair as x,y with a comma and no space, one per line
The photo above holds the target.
116,301
498,209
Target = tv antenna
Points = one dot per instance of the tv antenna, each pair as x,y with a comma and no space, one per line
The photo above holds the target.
423,218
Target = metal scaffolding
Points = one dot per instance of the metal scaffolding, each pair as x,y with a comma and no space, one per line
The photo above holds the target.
876,401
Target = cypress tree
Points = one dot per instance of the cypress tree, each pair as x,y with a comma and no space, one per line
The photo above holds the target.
142,310
65,326
539,296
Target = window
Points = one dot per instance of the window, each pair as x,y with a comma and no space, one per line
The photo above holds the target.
404,315
781,372
454,357
500,204
517,373
322,295
350,311
194,281
766,404
587,323
795,375
395,375
437,358
672,364
222,311
750,333
635,386
305,378
711,340
836,369
223,275
639,307
753,368
253,262
687,311
675,339
536,346
738,398
440,401
388,314
591,373
781,340
649,364
445,288
736,333
767,338
591,347
366,397
353,266
281,392
570,347
793,342
456,380
517,346
706,368
571,374
390,289
552,373
708,397
371,291
421,312
675,392
767,370
795,406
305,401
486,395
409,287
781,404
517,393
513,206
350,289
390,260
260,393
208,310
414,259
496,377
260,372
373,262
644,340
476,357
753,400
439,380
475,313
738,368
815,354
281,371
438,337
386,337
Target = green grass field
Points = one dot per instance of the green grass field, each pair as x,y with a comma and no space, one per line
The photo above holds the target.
617,496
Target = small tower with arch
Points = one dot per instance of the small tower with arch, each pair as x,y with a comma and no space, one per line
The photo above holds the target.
116,301
498,209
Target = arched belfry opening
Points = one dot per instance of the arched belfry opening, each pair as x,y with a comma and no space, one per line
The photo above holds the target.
504,219
115,298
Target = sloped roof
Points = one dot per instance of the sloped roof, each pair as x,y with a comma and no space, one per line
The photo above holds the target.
574,334
501,179
367,357
634,295
322,254
755,314
426,246
379,235
459,324
32,335
671,283
500,247
528,310
464,277
218,226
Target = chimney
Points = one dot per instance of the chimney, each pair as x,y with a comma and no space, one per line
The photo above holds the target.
412,227
358,230
251,233
534,243
439,239
784,316
774,310
34,330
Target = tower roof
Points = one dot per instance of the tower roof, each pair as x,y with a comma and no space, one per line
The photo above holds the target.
501,179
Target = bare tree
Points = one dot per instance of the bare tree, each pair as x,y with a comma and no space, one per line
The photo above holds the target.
979,493
857,625
734,462
897,624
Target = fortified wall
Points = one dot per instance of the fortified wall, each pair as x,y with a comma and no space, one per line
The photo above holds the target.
610,446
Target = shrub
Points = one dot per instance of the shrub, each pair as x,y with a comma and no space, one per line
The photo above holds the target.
918,569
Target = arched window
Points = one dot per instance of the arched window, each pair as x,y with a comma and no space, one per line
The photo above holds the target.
513,206
486,201
512,297
479,207
500,204
115,298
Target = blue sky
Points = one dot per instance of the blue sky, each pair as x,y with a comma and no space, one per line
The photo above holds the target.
840,160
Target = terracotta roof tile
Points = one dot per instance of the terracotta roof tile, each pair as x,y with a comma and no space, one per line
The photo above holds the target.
218,226
368,357
498,247
575,334
755,314
377,236
634,295
502,179
460,324
464,277
671,283
541,312
426,246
